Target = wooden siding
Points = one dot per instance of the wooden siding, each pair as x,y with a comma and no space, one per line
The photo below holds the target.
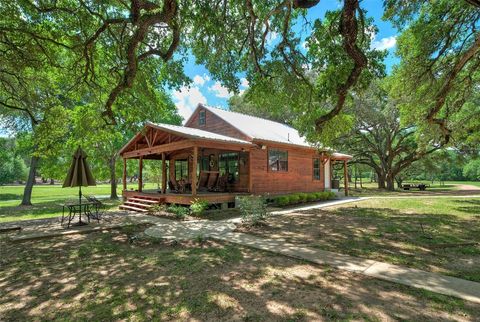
215,124
298,178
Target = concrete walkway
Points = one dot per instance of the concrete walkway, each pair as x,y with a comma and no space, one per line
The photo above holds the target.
223,230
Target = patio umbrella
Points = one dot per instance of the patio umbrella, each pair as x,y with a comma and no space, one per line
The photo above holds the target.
79,175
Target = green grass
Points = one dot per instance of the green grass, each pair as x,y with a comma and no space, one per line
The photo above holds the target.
371,188
47,200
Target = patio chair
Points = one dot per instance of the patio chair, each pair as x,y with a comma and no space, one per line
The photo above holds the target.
202,181
222,184
212,181
98,208
173,186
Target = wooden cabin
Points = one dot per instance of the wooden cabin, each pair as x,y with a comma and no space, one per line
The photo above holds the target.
219,154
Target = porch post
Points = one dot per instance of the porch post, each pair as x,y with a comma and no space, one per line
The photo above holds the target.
124,178
140,174
345,177
164,174
194,171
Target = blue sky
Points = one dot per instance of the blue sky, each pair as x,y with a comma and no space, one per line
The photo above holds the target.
208,91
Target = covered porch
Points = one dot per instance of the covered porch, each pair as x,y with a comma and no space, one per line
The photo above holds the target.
194,164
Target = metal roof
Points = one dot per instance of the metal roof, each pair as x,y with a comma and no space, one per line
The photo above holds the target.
195,133
259,128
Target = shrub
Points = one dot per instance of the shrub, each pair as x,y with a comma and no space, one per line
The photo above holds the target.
155,209
179,211
311,196
302,197
198,206
293,199
253,209
282,201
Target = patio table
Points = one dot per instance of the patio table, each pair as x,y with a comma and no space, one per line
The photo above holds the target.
78,209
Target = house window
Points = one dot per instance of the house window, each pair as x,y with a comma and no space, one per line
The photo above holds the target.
278,160
201,117
181,169
316,169
228,164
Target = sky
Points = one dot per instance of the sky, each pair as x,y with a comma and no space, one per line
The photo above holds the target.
206,90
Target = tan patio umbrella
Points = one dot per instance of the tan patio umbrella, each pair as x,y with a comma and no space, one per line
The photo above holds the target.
79,174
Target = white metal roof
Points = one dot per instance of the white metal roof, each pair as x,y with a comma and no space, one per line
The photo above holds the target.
195,133
260,129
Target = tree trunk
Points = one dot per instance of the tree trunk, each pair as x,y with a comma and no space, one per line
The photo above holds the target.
390,183
113,179
381,180
399,182
27,192
52,181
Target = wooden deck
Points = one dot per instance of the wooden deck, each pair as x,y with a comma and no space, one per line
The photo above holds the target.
184,198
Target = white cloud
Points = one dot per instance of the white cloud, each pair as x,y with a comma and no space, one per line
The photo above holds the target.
244,82
187,98
384,43
220,91
200,80
271,37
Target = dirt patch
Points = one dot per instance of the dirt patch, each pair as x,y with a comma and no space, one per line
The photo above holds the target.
110,276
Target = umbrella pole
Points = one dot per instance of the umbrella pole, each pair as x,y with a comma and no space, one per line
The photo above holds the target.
80,202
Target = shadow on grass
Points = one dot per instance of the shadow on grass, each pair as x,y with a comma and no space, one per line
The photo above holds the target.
9,196
471,206
104,277
432,242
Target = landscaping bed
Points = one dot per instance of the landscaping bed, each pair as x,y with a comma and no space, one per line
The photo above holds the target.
123,275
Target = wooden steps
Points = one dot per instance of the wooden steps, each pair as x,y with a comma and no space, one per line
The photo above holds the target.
139,203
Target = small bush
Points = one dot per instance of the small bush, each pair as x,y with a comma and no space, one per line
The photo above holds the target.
282,201
180,212
198,206
293,199
253,209
303,197
311,196
155,209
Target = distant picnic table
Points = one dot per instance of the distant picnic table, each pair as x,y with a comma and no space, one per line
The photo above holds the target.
419,186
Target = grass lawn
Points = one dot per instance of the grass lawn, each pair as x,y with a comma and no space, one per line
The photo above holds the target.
103,277
47,200
430,234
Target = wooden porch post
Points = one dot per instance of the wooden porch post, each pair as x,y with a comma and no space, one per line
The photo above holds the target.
194,171
345,177
250,182
164,174
124,178
140,174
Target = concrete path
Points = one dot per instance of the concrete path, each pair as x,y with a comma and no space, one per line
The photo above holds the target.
223,230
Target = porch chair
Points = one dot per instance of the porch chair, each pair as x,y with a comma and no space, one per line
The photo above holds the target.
222,183
212,181
173,186
202,181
